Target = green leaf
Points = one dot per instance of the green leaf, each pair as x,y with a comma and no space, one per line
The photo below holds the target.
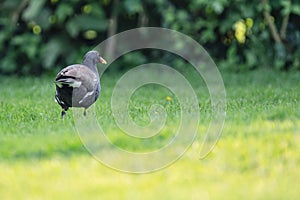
43,19
218,7
8,64
207,36
64,10
250,58
295,9
133,6
280,51
51,51
33,9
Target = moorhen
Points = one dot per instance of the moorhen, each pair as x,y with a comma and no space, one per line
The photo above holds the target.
78,85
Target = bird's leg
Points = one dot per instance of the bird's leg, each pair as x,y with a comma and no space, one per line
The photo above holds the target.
63,113
84,112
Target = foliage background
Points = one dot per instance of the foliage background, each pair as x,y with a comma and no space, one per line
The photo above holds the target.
44,35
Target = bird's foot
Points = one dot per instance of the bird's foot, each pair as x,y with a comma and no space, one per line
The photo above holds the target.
63,114
84,112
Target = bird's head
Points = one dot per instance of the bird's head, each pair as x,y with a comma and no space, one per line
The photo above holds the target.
94,57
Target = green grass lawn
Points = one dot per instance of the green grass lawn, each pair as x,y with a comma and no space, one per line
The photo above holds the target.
257,156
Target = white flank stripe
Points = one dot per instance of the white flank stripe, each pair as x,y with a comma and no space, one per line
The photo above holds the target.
86,96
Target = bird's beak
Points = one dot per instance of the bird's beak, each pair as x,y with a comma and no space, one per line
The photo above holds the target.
102,61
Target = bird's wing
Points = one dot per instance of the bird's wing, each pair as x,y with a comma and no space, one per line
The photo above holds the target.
76,76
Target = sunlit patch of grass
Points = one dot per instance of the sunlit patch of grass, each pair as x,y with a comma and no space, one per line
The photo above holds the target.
237,168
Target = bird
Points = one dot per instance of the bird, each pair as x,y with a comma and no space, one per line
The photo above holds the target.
78,85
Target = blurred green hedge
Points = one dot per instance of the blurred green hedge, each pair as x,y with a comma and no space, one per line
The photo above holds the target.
41,35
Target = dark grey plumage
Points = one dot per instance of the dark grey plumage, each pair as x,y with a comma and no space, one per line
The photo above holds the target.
78,85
